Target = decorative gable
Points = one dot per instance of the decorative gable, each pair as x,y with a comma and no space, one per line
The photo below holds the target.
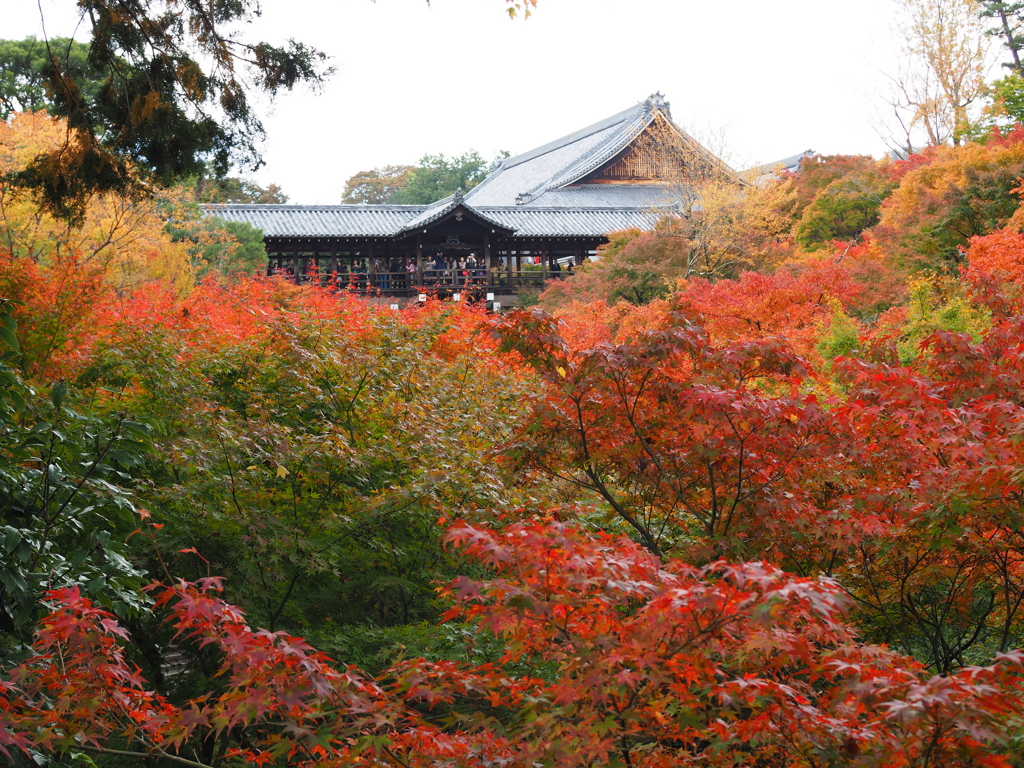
660,154
640,163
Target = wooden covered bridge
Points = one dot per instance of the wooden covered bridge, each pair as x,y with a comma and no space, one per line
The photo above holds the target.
532,218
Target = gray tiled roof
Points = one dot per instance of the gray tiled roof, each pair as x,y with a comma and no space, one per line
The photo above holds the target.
567,222
436,210
506,184
320,220
384,220
562,161
608,196
531,179
791,164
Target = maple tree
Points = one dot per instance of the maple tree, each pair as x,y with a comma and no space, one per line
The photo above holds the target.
608,656
751,517
706,477
946,197
994,271
944,573
120,237
844,207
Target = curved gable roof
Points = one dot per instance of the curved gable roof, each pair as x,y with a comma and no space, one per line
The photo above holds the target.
522,179
531,173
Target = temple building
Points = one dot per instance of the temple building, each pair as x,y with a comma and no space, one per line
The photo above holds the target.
531,217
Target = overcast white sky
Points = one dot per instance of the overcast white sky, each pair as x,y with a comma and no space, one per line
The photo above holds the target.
774,78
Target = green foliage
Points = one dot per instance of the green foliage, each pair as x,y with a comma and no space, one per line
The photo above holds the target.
843,209
948,196
840,336
1007,19
633,266
939,305
820,171
314,468
1007,102
24,64
215,246
64,503
438,176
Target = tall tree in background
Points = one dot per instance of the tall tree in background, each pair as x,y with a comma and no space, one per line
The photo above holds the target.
438,176
945,47
23,68
1007,20
376,186
236,190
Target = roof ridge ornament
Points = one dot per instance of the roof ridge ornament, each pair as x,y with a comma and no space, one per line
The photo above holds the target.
657,101
457,200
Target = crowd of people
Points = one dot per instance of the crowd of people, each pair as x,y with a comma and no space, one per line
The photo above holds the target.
387,274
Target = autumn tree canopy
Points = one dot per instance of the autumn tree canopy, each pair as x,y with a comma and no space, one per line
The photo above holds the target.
943,76
377,185
749,494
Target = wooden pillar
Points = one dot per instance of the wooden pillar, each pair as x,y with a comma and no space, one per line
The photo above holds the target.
545,257
419,259
487,258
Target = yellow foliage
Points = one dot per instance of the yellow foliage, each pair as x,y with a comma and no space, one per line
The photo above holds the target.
960,193
939,304
123,237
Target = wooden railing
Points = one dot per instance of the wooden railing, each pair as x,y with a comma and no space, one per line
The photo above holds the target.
404,284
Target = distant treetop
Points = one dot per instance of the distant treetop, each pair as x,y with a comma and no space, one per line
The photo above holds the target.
434,178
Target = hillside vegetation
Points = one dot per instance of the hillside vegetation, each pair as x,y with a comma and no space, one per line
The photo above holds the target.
764,514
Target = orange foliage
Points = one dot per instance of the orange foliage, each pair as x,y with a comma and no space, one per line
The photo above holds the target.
585,324
995,271
790,304
947,196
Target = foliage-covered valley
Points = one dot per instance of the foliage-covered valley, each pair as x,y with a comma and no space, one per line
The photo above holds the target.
747,490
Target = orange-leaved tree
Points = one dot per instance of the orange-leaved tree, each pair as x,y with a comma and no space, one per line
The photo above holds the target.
699,448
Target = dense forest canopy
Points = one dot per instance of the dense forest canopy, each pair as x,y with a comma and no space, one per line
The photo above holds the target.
746,490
